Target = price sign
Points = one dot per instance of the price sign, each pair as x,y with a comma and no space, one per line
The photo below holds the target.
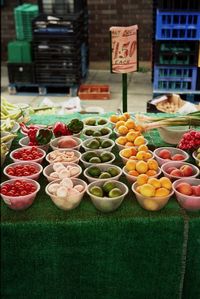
124,49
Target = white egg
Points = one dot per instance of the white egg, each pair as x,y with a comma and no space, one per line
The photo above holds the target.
67,183
74,171
53,188
57,166
64,173
62,191
54,175
79,188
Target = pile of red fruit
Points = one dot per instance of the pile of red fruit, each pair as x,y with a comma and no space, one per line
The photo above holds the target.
18,188
183,171
21,170
28,154
188,189
166,154
190,140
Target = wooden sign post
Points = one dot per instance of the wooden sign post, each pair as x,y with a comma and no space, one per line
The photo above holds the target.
124,52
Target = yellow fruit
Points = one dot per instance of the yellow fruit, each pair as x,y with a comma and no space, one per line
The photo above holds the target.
131,136
162,192
148,156
128,144
143,147
120,123
155,182
130,124
121,140
133,172
126,153
133,158
151,172
114,118
141,167
130,165
126,115
122,117
142,179
122,130
166,183
138,189
152,164
139,140
141,155
147,190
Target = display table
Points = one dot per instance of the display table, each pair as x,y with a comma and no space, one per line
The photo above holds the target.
48,253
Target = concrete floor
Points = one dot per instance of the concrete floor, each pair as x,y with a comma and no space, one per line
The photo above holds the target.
139,91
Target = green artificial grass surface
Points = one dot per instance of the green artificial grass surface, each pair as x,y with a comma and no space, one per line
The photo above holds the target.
84,253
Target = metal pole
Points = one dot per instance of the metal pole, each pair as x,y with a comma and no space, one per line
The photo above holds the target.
124,93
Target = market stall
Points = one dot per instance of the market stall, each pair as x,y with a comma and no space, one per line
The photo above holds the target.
84,253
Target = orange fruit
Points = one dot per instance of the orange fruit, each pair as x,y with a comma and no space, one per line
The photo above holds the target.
134,151
131,136
166,183
147,190
122,117
121,140
130,124
138,189
152,164
141,155
122,130
151,172
155,182
128,144
127,115
130,165
139,128
148,156
143,147
142,179
120,123
114,118
139,140
133,172
133,158
141,167
126,153
162,192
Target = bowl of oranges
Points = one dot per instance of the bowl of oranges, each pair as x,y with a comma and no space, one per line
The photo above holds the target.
133,153
130,140
134,168
152,194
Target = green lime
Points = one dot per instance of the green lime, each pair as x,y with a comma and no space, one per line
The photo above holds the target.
91,122
105,156
94,172
89,155
97,191
108,186
115,192
89,132
106,143
104,131
104,175
94,144
97,133
95,160
101,121
113,171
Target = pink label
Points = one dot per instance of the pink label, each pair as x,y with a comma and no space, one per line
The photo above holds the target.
124,49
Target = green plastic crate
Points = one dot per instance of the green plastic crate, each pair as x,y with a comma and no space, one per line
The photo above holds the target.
19,51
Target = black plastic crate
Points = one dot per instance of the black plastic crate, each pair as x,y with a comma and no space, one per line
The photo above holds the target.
67,66
176,53
61,7
21,72
178,4
56,77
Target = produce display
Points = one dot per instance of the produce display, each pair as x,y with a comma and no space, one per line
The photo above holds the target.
126,144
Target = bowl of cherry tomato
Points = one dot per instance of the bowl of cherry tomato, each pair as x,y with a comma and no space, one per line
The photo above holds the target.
19,194
30,170
28,153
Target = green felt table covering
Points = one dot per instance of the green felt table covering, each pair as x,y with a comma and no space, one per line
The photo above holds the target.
131,253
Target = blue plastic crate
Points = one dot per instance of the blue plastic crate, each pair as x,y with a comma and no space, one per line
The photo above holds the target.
175,78
177,25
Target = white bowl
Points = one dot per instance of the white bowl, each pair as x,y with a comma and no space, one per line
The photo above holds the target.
154,203
103,136
178,164
8,143
173,151
124,160
39,160
109,149
24,141
49,169
190,203
54,143
87,164
96,126
132,178
172,135
76,158
67,203
33,176
107,204
102,167
20,202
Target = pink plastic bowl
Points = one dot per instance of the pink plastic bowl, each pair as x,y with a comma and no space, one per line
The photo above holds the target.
173,151
191,203
20,202
178,164
39,160
34,176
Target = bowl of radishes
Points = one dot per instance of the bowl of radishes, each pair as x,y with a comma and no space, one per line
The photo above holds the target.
56,171
66,194
66,142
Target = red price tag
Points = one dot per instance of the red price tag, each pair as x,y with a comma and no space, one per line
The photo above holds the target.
124,49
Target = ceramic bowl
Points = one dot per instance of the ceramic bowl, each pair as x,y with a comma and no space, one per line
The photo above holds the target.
172,135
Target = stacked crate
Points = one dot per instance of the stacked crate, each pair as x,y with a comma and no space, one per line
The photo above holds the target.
20,65
176,48
60,43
